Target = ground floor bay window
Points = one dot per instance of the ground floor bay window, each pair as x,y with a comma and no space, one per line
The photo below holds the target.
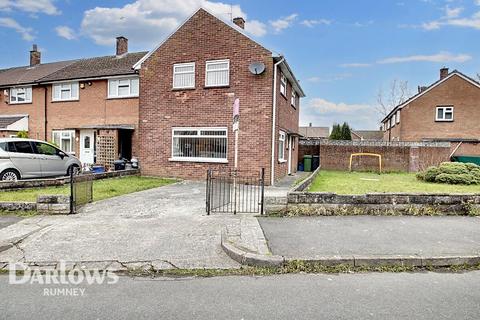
199,144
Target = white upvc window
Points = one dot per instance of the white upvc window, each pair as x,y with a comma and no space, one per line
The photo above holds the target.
199,144
184,75
444,114
281,146
123,87
217,73
283,85
294,99
392,119
65,140
388,124
21,95
65,91
398,116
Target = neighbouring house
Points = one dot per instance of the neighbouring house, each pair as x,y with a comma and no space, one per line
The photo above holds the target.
311,132
446,111
367,135
188,84
88,107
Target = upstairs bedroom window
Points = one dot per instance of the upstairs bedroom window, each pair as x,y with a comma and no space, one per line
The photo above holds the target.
217,73
184,76
283,85
21,95
123,88
294,99
444,114
65,91
199,144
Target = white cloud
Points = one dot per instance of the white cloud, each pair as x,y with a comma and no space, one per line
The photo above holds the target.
33,6
149,21
330,78
439,57
356,65
283,23
313,23
321,112
452,12
66,32
432,25
26,33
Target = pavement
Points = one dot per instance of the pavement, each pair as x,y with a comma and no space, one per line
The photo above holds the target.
313,237
5,221
374,296
164,227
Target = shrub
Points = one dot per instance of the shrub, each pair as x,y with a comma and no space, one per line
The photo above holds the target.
452,173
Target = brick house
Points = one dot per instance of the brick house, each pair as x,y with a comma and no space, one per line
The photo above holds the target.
448,110
188,85
88,107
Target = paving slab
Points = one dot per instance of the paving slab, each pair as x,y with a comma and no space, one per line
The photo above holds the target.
366,236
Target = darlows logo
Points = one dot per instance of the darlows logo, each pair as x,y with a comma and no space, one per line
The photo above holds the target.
21,274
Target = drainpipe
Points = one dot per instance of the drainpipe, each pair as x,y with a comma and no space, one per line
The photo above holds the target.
272,174
45,111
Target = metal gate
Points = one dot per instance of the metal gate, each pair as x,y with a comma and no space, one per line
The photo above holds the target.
235,192
81,190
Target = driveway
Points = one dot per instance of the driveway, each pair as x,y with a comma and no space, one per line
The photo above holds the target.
166,224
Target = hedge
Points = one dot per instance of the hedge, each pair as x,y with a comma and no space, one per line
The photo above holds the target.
452,173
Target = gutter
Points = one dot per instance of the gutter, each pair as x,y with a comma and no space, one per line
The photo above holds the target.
274,115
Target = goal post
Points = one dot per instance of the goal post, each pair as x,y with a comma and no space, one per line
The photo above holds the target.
362,154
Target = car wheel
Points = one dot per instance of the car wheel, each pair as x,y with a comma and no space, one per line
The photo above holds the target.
76,170
9,175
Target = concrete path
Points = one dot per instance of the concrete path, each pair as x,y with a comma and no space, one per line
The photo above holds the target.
5,221
375,296
312,237
166,225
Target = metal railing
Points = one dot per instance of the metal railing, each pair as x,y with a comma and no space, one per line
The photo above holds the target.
235,192
81,190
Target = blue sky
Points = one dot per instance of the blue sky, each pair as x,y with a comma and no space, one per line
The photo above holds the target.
343,52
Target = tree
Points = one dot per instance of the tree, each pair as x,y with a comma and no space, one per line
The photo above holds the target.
397,93
336,132
346,132
478,76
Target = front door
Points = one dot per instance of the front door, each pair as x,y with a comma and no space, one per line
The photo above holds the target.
87,146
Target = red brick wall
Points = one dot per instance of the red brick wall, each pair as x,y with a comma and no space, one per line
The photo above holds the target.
200,39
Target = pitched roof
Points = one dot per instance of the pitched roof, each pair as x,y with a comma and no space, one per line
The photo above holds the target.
427,89
5,121
29,75
368,134
314,132
97,67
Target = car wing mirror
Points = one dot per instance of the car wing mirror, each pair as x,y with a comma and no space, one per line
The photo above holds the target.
61,155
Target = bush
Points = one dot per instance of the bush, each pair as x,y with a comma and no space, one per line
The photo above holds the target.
452,173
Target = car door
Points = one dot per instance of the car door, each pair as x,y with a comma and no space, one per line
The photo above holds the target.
52,161
24,158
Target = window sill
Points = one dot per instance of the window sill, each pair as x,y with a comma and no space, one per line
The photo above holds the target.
282,161
438,120
125,97
217,87
204,160
183,89
67,100
16,103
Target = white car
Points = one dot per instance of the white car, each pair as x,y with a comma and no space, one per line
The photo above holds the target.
28,158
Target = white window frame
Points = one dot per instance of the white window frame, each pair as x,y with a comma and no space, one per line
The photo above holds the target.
64,87
281,139
293,99
64,134
188,64
398,116
392,119
283,84
114,95
13,92
211,62
199,129
445,109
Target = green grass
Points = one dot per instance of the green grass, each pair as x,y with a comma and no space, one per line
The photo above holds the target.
102,189
363,182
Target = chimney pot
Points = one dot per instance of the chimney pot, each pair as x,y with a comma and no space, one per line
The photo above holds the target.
239,21
443,73
122,46
310,124
35,56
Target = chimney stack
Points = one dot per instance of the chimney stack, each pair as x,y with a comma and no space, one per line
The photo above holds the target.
122,46
239,21
35,56
443,73
310,124
421,89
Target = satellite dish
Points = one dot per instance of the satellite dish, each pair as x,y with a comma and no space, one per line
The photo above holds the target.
257,68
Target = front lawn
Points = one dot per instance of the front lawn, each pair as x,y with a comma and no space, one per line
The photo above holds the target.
102,189
360,182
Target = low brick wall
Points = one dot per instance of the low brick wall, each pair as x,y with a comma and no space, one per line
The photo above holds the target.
18,206
56,182
396,156
53,204
381,203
